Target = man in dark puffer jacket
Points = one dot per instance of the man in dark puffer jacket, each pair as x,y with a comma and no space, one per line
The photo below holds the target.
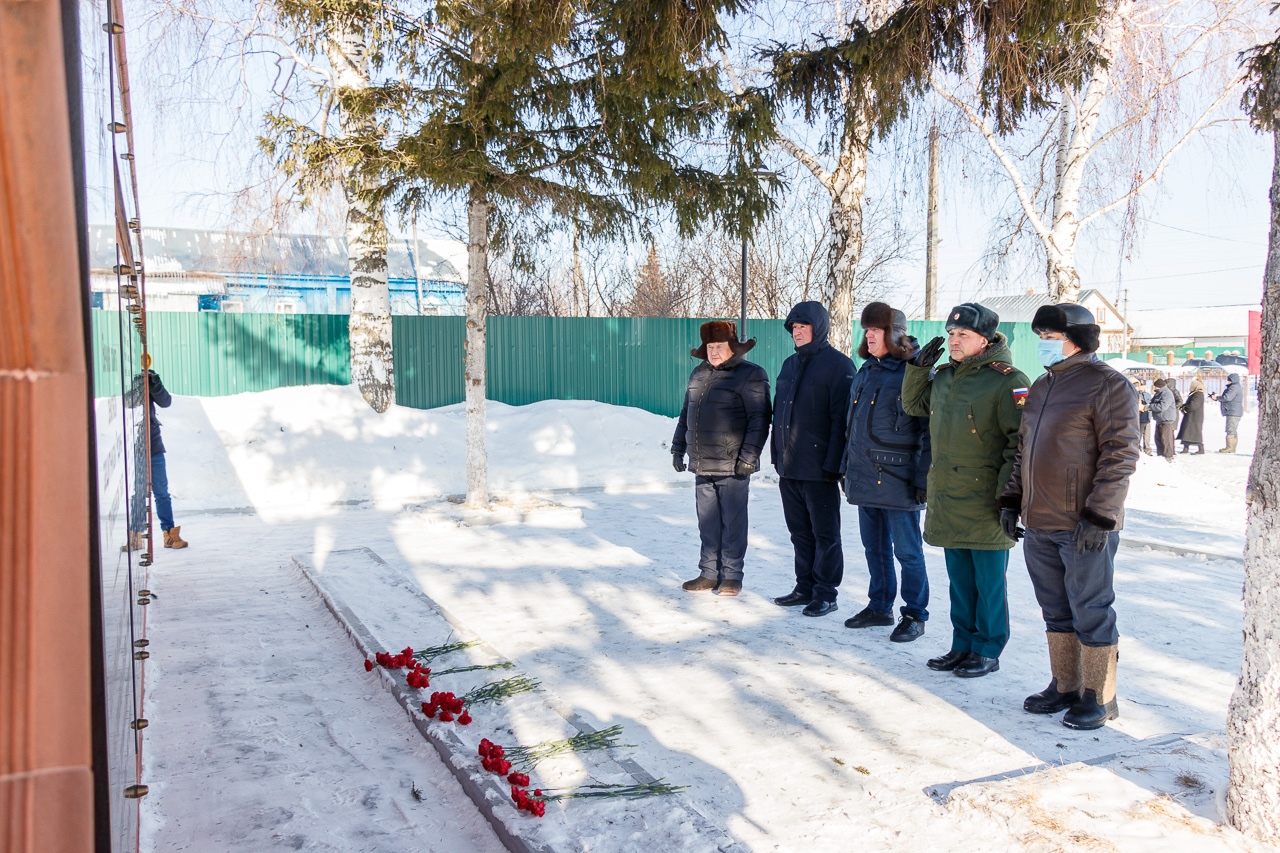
807,445
723,426
1077,448
886,466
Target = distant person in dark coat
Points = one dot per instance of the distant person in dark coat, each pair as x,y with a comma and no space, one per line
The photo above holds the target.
886,467
723,426
1192,430
159,474
1231,400
807,446
1164,411
1144,415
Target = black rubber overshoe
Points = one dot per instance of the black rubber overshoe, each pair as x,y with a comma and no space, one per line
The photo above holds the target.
1049,700
1087,714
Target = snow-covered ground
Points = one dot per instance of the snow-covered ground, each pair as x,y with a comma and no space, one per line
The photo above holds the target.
792,733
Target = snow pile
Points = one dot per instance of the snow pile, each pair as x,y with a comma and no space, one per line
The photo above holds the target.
298,452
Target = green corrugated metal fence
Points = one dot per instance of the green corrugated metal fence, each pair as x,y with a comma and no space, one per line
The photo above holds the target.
627,361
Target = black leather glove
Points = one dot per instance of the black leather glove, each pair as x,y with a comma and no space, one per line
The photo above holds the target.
677,462
830,477
922,495
1009,524
1090,537
743,468
153,380
929,353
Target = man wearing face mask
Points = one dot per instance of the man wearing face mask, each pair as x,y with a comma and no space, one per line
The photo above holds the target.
723,426
1077,448
807,447
974,405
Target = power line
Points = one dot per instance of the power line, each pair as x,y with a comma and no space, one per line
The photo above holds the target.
1200,234
1176,275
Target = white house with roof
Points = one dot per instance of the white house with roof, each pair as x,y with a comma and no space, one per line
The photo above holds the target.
1217,327
1022,309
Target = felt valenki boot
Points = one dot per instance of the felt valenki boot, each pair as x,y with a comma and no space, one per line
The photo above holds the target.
172,539
1067,665
1098,703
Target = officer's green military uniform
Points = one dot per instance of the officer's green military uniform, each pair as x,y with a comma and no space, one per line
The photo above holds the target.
974,409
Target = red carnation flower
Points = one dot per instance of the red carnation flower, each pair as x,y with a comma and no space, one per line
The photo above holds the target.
446,717
465,719
368,665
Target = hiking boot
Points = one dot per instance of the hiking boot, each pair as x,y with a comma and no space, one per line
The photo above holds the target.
172,539
728,587
701,583
868,618
909,628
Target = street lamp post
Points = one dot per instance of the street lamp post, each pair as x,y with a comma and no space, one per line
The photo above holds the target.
762,175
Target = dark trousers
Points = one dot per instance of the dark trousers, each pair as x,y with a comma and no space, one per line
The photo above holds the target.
812,512
1165,440
1074,590
979,607
722,524
886,532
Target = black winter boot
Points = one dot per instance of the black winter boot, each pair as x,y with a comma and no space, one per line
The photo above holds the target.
868,618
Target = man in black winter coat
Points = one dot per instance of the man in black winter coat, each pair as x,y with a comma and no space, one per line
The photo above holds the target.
1164,412
723,426
807,446
1232,402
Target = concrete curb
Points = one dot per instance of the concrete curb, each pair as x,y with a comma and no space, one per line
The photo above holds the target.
488,790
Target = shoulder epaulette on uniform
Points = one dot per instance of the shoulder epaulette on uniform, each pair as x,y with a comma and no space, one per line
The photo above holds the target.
1006,369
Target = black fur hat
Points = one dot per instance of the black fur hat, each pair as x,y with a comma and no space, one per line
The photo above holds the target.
879,315
1072,320
977,318
721,332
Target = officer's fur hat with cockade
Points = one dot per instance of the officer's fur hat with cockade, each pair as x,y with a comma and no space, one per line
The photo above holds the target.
878,315
721,332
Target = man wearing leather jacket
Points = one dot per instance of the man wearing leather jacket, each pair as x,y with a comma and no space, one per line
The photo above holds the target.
1078,446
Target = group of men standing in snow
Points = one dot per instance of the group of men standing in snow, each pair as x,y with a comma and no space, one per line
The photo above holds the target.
971,438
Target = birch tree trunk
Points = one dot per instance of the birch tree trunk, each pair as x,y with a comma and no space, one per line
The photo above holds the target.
372,365
1253,722
848,190
474,369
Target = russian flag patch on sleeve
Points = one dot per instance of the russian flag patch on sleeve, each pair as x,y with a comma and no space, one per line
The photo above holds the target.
1020,396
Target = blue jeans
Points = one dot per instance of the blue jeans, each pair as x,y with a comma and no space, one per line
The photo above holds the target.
160,488
886,533
1075,590
722,524
979,606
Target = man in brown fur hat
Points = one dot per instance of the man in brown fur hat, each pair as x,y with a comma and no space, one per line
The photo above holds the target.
722,428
